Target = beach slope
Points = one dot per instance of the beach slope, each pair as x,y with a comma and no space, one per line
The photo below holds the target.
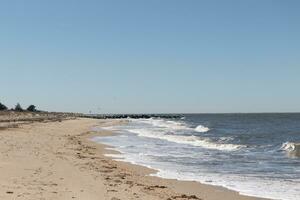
56,160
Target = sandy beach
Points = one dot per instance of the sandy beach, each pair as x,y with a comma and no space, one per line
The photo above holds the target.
149,100
56,160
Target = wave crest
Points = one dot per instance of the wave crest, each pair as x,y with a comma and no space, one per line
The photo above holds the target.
290,146
190,140
201,129
164,124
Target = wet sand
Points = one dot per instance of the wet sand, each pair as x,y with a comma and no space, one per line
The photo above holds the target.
57,160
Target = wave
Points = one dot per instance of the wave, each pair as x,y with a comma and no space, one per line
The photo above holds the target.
160,123
201,129
190,140
290,147
173,125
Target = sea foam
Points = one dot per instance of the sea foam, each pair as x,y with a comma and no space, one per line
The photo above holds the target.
225,155
290,146
189,140
201,129
173,125
292,149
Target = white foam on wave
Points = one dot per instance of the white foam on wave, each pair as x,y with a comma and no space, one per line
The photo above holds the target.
173,125
250,186
290,146
190,140
292,149
201,129
247,185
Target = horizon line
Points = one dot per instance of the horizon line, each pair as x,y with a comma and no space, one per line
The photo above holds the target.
193,113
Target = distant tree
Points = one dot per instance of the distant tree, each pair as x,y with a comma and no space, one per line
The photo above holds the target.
31,108
2,107
18,108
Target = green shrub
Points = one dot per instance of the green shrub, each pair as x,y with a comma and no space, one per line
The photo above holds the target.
2,107
31,108
18,108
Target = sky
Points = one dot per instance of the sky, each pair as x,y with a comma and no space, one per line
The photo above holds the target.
138,56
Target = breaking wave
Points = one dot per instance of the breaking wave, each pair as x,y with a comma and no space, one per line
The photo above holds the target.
173,125
290,146
164,124
190,140
219,150
201,129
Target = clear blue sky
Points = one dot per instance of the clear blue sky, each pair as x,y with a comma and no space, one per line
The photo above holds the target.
152,56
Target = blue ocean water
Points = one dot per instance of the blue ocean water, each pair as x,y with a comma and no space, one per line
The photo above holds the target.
255,154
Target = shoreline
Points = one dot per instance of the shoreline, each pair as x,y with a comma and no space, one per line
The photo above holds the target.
57,160
189,188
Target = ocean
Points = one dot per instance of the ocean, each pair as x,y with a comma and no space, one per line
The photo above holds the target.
254,154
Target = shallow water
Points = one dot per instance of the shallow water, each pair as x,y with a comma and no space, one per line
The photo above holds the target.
255,154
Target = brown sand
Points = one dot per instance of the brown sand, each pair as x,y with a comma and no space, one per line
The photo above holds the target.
55,160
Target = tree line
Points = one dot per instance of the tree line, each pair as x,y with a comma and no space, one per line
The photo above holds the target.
18,107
